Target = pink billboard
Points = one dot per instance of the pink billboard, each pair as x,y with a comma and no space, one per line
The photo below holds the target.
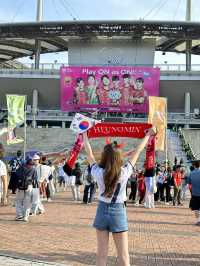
108,89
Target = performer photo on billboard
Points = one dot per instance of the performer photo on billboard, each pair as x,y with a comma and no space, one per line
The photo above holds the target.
92,88
115,94
138,94
128,87
103,91
80,94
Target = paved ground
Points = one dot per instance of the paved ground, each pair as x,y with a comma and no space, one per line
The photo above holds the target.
63,236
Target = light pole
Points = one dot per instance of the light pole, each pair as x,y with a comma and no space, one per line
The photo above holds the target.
39,17
188,42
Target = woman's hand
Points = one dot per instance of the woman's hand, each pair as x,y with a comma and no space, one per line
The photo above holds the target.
88,149
85,135
151,131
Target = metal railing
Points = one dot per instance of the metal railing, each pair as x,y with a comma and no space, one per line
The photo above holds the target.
57,66
58,115
174,118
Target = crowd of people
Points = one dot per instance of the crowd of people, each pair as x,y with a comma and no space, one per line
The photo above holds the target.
37,179
144,187
169,186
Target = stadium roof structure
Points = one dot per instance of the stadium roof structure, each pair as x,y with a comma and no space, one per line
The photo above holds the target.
18,39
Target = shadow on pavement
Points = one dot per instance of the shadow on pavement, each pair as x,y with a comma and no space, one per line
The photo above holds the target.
66,257
164,259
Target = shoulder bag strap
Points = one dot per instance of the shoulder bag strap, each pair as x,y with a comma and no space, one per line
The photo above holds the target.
116,193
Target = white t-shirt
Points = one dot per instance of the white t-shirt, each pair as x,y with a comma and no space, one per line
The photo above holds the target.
71,180
126,171
3,172
43,172
61,172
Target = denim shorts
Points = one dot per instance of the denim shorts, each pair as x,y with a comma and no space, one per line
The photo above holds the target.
111,217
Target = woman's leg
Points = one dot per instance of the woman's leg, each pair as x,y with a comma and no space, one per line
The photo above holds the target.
42,186
47,191
167,193
78,192
197,215
74,192
102,247
147,199
85,194
162,189
175,195
121,243
4,180
91,192
19,203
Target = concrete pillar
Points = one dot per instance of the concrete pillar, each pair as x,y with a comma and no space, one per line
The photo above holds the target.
187,104
187,108
35,108
63,124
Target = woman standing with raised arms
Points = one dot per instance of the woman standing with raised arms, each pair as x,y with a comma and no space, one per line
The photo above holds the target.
112,175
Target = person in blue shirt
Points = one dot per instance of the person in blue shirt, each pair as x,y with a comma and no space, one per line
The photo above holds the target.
194,181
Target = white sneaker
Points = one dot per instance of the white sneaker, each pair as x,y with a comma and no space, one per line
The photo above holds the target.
41,212
19,218
25,219
44,199
49,200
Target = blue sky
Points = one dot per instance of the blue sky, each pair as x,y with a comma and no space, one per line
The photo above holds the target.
25,10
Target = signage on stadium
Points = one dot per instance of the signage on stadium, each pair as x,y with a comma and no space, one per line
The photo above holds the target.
130,130
108,89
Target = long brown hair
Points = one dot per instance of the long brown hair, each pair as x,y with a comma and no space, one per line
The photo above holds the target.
2,151
111,161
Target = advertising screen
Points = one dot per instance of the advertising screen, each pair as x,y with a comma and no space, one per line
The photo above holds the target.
108,89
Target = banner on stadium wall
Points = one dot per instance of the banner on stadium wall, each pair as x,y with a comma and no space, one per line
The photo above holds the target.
16,116
16,111
158,118
108,89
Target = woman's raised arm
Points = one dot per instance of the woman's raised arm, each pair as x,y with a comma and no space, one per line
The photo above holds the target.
140,147
88,149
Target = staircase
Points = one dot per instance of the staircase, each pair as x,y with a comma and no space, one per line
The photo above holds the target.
175,147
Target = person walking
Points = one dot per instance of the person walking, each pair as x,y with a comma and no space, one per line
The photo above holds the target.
177,177
168,185
78,182
141,186
194,181
37,206
134,186
46,174
26,176
161,177
3,178
150,183
112,176
15,164
89,188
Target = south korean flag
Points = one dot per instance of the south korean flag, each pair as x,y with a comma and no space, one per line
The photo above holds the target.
82,123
